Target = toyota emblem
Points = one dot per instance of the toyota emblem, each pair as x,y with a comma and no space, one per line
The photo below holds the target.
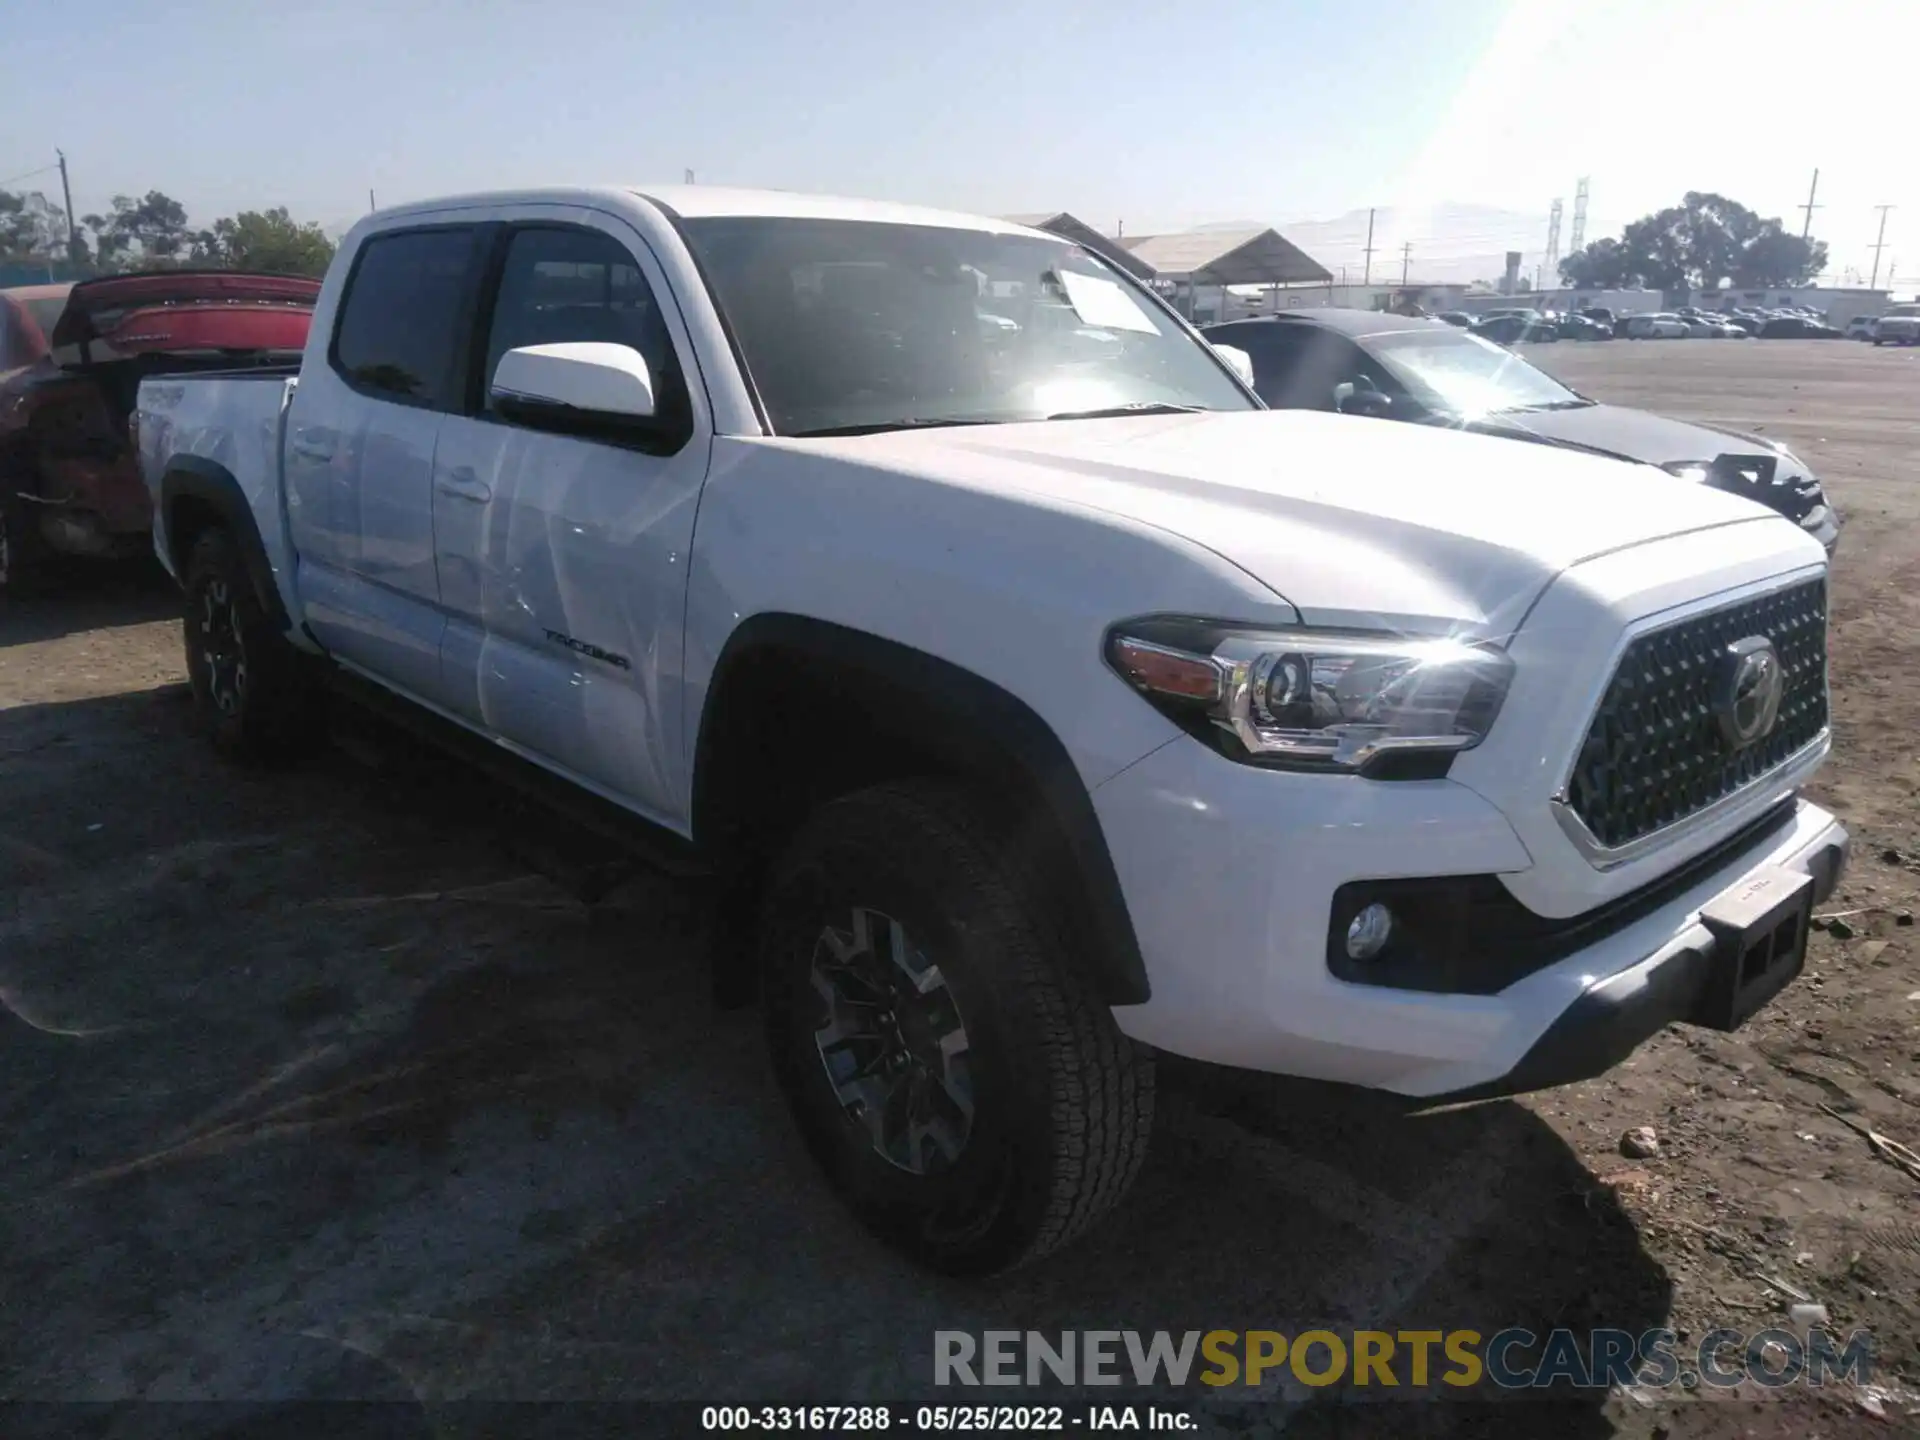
1747,691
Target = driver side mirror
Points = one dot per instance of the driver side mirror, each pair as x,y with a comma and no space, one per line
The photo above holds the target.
1362,399
1238,361
576,385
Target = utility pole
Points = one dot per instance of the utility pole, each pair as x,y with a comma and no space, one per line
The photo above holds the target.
1367,277
1806,226
1406,262
73,226
689,177
371,207
1878,245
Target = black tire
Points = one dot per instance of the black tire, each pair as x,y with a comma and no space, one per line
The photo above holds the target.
252,691
1062,1102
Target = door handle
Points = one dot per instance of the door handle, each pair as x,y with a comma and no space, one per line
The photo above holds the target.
320,452
463,483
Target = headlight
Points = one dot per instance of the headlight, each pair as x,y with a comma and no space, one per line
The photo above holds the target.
1313,699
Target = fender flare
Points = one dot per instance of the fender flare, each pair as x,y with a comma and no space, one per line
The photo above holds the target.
982,730
208,481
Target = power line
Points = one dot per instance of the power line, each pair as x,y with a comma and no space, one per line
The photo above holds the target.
29,174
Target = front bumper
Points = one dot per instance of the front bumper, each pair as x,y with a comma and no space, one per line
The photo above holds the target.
1673,985
1230,874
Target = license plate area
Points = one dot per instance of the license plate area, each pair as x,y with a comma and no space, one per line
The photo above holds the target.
1759,929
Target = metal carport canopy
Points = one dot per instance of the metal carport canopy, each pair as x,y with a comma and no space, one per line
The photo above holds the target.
1072,227
1228,257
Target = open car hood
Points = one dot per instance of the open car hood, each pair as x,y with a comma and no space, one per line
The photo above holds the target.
183,310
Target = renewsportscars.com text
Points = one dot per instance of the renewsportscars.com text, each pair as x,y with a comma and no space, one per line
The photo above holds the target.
1394,1359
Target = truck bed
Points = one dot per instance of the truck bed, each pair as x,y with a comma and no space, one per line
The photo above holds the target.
222,428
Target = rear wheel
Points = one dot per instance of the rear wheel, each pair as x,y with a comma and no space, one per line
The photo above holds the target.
252,692
956,1077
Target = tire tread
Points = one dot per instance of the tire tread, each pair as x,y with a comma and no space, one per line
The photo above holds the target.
1096,1085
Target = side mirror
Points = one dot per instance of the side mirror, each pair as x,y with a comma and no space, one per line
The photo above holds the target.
575,385
1238,360
1351,399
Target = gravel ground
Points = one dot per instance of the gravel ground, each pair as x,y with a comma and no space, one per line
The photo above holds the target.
313,1086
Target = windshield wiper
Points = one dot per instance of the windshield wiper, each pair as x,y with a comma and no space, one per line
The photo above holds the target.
910,422
1548,405
1139,407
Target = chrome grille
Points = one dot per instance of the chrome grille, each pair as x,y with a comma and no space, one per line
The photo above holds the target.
1654,753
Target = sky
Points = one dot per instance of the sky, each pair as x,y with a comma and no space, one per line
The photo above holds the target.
1464,119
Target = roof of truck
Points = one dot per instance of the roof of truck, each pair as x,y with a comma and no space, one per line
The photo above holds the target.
701,201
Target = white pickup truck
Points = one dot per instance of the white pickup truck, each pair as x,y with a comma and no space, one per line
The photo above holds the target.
1043,701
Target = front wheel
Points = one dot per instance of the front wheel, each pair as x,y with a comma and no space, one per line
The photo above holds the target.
954,1073
250,688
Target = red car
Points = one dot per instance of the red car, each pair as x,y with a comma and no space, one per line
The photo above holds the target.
71,360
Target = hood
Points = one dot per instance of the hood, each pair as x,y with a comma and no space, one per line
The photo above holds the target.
1773,478
1352,521
100,311
1628,434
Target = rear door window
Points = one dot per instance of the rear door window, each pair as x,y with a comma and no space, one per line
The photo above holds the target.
404,319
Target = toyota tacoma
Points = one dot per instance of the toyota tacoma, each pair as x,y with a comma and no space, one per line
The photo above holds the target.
1043,702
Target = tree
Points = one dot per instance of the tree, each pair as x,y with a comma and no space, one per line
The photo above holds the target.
1697,244
33,230
146,234
270,240
1603,265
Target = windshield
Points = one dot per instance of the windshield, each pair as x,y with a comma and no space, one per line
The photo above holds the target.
855,325
1465,375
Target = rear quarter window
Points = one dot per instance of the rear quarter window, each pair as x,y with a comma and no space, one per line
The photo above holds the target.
404,317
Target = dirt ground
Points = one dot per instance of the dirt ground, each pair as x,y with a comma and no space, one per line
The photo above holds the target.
313,1086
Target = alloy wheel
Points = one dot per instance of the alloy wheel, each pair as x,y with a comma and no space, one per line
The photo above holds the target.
893,1043
223,651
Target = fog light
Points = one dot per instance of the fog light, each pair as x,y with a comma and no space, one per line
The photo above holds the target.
1369,931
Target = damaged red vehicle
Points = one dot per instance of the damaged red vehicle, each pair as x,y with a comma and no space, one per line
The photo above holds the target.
69,484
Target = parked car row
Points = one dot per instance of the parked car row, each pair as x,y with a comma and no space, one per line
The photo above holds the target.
1531,326
1509,327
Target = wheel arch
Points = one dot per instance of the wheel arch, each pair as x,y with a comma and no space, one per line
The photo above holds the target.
196,493
801,709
